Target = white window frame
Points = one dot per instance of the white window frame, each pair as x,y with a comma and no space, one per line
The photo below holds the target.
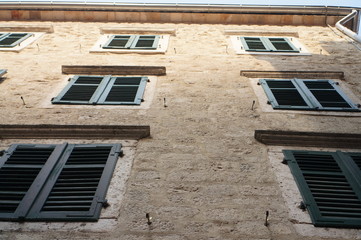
161,48
239,48
23,44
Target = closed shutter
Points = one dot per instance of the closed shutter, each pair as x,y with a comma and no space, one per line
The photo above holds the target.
327,95
145,42
62,183
119,42
285,94
124,90
303,94
254,44
282,45
13,39
82,90
329,187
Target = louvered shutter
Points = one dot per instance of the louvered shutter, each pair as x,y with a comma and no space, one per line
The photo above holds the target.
145,42
256,44
56,182
2,72
76,188
281,45
23,170
82,90
13,39
329,187
119,42
285,94
124,90
326,95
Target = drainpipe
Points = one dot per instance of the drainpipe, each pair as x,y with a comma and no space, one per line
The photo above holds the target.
347,31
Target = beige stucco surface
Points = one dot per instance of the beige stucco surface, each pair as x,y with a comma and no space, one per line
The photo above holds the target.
201,174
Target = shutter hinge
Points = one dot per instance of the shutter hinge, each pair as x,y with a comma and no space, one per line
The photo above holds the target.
121,154
302,206
2,152
285,161
142,100
104,203
269,102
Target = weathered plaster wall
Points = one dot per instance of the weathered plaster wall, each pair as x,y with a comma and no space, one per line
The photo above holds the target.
201,174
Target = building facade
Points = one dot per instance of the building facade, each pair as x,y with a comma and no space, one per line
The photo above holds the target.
212,123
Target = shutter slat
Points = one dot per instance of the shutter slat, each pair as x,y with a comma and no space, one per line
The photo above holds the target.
16,178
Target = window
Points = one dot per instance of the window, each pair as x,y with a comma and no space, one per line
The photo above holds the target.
9,40
301,94
330,185
268,44
66,182
106,90
132,42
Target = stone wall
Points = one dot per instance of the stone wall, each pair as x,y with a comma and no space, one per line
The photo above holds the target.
201,174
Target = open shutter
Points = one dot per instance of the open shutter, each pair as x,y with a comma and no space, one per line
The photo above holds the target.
76,188
281,45
145,42
327,186
13,39
124,90
23,169
327,95
285,94
255,44
119,42
82,90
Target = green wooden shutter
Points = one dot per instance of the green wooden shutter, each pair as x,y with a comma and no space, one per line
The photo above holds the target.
281,45
326,95
13,39
82,90
124,91
303,94
77,186
145,42
356,157
23,169
119,42
285,94
329,187
254,44
2,72
55,182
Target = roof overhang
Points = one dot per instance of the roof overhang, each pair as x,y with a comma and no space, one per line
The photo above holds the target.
316,15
